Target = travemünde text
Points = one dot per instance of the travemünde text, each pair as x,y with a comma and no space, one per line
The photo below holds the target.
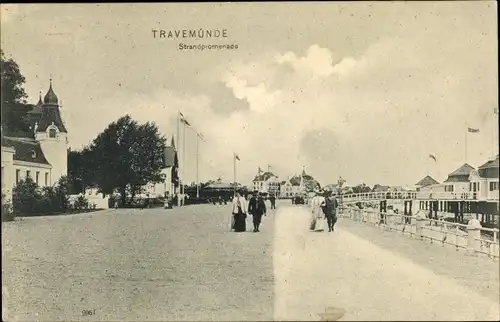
192,33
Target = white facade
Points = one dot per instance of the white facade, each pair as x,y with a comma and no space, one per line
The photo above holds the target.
54,145
14,171
160,189
287,190
271,185
484,189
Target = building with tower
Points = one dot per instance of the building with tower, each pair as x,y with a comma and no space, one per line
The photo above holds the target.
41,154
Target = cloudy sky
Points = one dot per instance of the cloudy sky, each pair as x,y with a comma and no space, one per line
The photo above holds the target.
365,91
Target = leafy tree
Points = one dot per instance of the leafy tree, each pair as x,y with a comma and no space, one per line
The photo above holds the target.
361,188
127,156
81,170
13,101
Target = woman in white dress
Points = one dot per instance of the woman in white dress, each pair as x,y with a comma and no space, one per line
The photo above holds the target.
317,215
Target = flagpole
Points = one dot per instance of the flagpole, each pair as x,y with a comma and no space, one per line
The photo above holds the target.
183,156
495,133
466,132
178,138
234,172
197,166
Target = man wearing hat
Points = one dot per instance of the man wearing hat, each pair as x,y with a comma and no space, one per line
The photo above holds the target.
330,209
256,208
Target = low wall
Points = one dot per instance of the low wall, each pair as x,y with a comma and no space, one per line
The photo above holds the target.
472,237
96,199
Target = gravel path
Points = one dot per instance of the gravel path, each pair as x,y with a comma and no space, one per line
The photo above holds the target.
361,278
156,264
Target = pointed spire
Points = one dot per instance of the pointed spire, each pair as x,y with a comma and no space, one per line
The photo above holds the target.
51,97
39,98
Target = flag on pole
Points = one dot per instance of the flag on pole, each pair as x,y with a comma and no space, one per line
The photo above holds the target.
237,157
471,130
172,143
183,119
432,157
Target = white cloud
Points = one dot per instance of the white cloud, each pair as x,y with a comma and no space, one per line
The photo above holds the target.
382,113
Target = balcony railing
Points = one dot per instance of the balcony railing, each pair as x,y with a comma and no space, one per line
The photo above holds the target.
420,195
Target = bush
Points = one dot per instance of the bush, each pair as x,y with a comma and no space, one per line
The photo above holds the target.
81,203
29,199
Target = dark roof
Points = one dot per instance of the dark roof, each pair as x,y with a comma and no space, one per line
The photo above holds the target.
50,112
264,177
295,181
169,157
24,148
223,185
51,97
427,181
37,109
379,188
490,164
51,115
461,174
464,170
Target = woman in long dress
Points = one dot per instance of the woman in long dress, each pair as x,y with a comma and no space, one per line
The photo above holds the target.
318,216
239,214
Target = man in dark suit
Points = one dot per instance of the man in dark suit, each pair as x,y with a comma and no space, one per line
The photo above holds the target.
330,209
256,208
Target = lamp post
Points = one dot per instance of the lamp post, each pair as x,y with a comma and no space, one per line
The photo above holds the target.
340,183
198,137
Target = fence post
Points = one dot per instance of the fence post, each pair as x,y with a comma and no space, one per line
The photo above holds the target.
473,234
494,247
419,229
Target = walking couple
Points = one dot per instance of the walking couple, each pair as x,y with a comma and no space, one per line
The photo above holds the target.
256,208
323,205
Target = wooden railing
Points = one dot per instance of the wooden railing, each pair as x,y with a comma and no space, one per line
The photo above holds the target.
472,237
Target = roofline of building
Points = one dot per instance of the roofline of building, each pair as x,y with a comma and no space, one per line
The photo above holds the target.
32,164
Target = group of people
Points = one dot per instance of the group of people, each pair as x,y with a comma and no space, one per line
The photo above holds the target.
323,206
256,207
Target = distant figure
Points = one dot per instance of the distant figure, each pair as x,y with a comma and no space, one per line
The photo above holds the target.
257,208
330,210
272,198
239,214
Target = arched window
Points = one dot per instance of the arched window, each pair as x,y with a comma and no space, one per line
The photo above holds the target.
52,133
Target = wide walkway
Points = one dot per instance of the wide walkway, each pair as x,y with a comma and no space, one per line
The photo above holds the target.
363,276
184,264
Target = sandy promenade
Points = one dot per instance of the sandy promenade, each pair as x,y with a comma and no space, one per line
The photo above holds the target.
350,274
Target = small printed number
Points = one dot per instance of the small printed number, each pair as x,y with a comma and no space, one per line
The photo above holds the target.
88,312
